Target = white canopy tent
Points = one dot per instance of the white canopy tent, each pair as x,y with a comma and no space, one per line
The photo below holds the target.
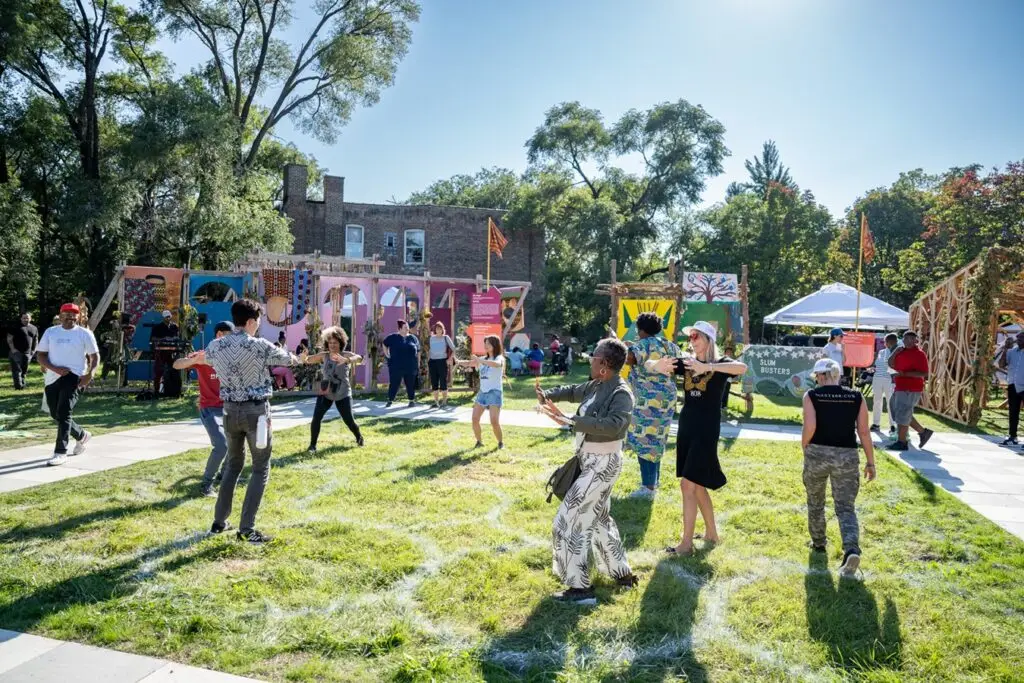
835,305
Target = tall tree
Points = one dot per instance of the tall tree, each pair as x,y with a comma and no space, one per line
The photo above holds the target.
261,74
766,172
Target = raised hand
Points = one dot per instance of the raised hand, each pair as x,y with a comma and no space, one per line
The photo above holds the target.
666,365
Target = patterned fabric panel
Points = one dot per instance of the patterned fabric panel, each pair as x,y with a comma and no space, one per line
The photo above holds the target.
140,297
302,294
277,282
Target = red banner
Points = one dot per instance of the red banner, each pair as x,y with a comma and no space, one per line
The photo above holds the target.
480,331
858,349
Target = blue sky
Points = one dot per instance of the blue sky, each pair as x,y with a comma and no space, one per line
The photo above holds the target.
852,91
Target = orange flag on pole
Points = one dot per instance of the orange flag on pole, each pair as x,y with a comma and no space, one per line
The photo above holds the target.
867,241
495,239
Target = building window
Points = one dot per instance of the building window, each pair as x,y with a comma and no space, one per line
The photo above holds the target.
414,247
354,241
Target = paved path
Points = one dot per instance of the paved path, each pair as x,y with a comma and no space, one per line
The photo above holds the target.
25,658
975,469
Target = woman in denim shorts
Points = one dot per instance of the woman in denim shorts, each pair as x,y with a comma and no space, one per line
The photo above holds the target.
491,396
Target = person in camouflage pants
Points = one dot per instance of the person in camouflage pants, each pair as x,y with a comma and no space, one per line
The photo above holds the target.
842,466
835,419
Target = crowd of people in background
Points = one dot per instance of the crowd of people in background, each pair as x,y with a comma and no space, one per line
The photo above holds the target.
238,372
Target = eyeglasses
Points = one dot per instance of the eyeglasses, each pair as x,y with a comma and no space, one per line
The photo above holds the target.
694,336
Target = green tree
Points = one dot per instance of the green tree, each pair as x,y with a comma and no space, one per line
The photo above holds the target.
766,172
316,77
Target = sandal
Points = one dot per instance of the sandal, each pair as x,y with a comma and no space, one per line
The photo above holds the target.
672,550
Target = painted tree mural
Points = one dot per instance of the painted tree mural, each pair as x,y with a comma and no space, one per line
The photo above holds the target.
711,287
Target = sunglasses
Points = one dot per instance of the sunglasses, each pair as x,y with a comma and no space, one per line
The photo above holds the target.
694,336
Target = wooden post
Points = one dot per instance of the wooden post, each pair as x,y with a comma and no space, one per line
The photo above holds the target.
615,299
375,313
108,297
519,306
680,298
479,283
123,353
744,302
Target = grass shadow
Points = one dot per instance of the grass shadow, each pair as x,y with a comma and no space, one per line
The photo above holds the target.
516,656
663,637
101,585
186,490
845,619
449,462
632,516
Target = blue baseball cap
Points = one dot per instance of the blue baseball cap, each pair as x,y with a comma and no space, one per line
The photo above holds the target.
836,331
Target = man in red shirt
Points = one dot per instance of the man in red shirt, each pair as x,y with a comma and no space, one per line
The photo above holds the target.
911,366
211,408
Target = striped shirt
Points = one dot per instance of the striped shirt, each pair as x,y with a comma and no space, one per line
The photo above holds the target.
882,362
241,363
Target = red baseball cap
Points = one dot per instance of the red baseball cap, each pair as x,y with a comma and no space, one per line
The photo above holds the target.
70,308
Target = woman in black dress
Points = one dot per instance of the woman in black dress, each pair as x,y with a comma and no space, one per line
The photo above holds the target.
705,379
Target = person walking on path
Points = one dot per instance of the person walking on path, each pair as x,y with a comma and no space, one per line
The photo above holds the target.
834,417
882,387
583,523
705,377
911,369
336,384
241,361
1012,361
442,349
403,353
22,340
655,396
70,352
491,395
211,409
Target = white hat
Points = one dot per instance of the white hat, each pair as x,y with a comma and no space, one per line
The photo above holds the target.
826,365
703,327
167,314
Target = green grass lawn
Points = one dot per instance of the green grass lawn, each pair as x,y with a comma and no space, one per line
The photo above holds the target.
419,558
21,411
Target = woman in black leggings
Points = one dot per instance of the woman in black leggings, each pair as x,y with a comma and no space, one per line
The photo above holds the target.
336,385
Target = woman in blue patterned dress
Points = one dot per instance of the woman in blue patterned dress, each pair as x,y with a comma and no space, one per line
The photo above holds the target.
655,407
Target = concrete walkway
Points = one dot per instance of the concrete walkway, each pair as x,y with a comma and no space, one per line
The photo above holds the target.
25,658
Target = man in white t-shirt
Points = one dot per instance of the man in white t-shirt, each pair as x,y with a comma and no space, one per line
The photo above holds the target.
70,352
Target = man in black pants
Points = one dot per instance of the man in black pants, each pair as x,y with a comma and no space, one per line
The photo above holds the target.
403,353
21,344
241,361
69,351
1012,361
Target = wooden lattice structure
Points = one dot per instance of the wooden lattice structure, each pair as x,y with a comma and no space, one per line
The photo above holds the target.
959,357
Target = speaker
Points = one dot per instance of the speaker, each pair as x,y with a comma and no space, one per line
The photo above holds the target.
202,318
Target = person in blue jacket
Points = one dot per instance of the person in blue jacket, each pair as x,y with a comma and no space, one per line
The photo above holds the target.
403,353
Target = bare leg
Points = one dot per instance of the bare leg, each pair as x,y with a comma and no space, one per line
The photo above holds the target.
902,433
689,490
917,426
495,422
707,511
478,410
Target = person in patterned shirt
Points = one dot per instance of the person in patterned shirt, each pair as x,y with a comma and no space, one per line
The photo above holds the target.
241,360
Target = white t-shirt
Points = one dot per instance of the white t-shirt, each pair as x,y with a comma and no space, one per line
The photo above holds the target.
68,348
490,378
834,351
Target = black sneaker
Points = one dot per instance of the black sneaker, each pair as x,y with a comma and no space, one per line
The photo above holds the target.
876,428
220,528
577,596
206,490
892,430
501,445
818,548
311,450
851,563
628,581
360,442
255,537
898,446
388,404
1010,441
412,404
925,436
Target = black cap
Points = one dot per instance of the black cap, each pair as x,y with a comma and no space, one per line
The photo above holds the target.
224,326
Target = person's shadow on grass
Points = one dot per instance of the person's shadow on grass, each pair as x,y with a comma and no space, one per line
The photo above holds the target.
538,649
663,637
844,617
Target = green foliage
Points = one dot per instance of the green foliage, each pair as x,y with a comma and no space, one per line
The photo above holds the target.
20,227
765,171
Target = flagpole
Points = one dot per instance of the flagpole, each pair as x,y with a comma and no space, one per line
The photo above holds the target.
860,271
488,288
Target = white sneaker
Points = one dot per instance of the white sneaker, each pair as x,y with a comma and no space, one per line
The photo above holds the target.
643,492
851,563
57,459
81,444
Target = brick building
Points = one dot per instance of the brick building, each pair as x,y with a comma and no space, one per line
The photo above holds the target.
448,241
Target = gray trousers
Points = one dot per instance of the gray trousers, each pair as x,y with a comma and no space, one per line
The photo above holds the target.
19,368
239,427
842,467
